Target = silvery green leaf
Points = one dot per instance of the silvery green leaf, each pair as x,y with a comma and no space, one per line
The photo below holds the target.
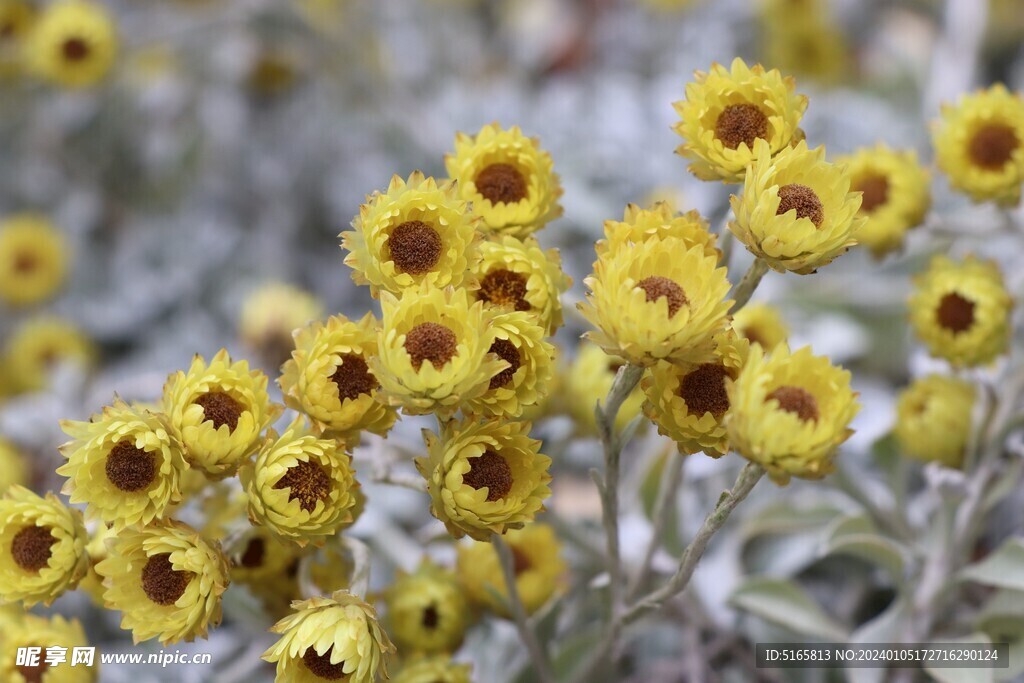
972,675
786,604
884,628
1004,568
1002,615
784,517
856,536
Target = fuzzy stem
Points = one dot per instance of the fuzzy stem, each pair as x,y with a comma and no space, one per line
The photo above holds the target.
538,656
744,289
670,483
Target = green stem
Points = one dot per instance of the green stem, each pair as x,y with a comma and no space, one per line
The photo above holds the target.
744,289
538,656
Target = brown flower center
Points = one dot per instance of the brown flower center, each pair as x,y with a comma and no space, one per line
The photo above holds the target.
430,617
507,351
353,377
796,400
876,192
955,313
415,247
501,184
490,470
31,548
162,583
656,287
504,288
753,335
430,341
308,481
130,468
802,199
254,553
703,389
220,409
75,49
520,560
993,145
25,262
34,674
320,665
741,123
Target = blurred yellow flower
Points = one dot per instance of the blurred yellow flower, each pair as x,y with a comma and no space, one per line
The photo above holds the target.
433,670
418,232
588,381
933,419
789,412
727,110
961,311
688,401
73,44
166,580
659,222
124,464
336,638
434,352
271,313
516,275
42,547
427,611
257,556
301,487
539,569
49,632
526,381
97,549
896,195
218,411
797,211
660,299
508,178
799,37
13,466
760,324
978,145
16,20
485,477
40,345
33,260
329,379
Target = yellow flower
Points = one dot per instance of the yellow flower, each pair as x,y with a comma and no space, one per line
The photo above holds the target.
417,233
218,411
588,381
660,299
301,487
40,345
336,638
33,260
257,556
269,316
73,44
329,379
166,580
978,145
13,467
331,568
16,20
434,350
659,222
508,178
688,401
961,311
790,412
933,420
796,211
42,547
124,464
427,611
760,324
516,339
517,275
433,670
896,195
726,110
485,477
539,569
97,550
799,37
43,633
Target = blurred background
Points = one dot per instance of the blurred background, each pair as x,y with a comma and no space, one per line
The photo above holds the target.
199,187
